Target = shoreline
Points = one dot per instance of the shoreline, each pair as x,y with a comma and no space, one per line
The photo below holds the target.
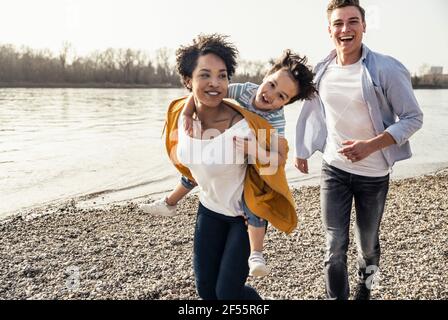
106,85
105,200
117,252
110,85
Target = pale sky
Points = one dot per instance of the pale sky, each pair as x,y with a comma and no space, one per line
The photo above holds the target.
413,31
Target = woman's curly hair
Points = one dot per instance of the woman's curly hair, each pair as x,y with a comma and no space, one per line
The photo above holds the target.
299,71
187,56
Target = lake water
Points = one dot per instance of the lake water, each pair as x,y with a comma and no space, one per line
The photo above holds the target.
105,145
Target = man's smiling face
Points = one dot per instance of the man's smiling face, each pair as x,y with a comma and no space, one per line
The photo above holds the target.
346,29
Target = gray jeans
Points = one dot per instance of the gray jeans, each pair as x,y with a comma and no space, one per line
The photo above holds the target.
338,189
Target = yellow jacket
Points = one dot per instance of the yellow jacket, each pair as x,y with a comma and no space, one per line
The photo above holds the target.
268,196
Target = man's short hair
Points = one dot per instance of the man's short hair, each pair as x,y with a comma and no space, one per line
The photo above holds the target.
336,4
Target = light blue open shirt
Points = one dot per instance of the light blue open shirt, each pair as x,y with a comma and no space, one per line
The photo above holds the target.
387,90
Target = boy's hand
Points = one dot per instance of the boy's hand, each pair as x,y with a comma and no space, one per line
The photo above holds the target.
188,125
302,165
188,112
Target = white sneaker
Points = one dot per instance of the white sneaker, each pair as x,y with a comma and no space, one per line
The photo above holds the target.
159,208
257,265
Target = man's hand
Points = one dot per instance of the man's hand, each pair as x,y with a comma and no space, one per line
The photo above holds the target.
302,165
357,150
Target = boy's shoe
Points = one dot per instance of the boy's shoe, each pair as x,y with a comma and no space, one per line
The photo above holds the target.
257,265
159,208
362,292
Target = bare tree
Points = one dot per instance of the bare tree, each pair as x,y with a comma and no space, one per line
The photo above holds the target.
9,60
424,69
163,70
119,66
250,71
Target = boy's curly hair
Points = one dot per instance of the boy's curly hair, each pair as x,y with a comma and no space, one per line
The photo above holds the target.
187,56
336,4
299,71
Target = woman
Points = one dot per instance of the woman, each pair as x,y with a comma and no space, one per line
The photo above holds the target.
221,244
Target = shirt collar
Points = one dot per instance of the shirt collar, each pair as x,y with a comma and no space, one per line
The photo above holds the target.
333,54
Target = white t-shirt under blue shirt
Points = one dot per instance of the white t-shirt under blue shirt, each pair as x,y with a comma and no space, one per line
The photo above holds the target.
244,94
348,118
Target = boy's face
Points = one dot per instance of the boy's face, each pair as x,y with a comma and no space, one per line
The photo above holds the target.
275,91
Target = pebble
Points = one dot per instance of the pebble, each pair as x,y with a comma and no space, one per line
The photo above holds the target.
117,252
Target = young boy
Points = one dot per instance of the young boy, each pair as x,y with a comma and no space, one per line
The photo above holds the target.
288,80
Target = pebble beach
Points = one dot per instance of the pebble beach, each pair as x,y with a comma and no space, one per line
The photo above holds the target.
63,251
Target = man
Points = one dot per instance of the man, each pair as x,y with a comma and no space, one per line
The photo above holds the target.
361,122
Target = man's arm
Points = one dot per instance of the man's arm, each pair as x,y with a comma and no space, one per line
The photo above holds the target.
311,132
357,150
400,96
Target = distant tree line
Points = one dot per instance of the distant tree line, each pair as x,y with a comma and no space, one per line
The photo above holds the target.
119,67
124,68
430,81
427,79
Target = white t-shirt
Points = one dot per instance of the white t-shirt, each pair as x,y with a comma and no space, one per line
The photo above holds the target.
217,168
348,118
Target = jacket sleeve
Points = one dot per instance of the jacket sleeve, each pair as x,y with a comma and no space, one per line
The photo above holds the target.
400,96
311,130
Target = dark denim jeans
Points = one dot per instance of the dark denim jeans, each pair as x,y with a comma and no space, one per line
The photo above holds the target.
338,189
221,250
252,219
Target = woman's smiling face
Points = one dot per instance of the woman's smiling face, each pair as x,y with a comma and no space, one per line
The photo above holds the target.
209,81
